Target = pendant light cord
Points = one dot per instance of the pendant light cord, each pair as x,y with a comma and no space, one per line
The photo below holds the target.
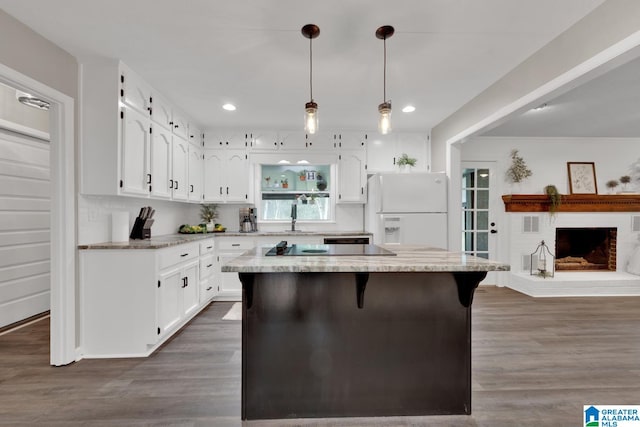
311,69
384,74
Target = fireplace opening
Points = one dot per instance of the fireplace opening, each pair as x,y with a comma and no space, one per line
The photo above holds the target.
586,249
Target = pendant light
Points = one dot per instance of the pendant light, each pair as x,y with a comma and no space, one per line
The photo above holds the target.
310,31
384,121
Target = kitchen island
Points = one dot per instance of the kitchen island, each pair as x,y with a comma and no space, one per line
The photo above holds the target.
355,335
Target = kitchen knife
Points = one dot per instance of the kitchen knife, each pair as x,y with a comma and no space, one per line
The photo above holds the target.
141,212
152,212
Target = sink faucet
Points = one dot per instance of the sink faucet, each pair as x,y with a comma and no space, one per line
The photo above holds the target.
294,215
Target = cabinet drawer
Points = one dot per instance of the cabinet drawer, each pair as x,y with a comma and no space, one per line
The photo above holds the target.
236,244
178,254
207,289
206,266
207,247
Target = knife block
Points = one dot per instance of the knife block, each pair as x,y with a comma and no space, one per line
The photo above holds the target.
141,229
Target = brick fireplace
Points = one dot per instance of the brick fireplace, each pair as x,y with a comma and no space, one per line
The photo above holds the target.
586,248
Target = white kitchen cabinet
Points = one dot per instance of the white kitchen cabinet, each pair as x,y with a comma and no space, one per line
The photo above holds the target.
227,248
352,177
135,141
161,152
134,299
349,140
196,154
226,139
227,177
196,137
125,121
383,151
208,285
179,182
135,92
292,140
264,141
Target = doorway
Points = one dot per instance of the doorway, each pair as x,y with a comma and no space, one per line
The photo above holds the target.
63,216
480,210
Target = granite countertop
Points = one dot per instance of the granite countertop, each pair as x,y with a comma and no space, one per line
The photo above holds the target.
408,259
168,240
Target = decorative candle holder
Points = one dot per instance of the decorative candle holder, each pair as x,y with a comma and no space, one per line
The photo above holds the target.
543,257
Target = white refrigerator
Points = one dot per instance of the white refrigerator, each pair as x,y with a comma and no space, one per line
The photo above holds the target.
408,209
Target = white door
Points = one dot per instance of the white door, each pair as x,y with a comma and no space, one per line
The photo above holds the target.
25,193
480,210
381,153
351,177
213,175
135,152
160,162
237,177
190,294
135,91
169,300
195,173
161,111
179,168
230,285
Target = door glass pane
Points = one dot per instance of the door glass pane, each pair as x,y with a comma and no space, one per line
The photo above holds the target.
468,241
483,199
483,220
468,220
468,178
483,178
467,199
483,241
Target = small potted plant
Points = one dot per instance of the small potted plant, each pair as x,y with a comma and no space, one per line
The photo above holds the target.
312,199
209,213
555,198
285,183
405,162
303,175
612,184
625,180
268,179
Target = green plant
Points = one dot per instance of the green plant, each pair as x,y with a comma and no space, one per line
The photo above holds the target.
518,170
625,179
208,213
555,198
611,184
406,160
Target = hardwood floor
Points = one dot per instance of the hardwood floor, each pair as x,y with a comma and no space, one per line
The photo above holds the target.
535,362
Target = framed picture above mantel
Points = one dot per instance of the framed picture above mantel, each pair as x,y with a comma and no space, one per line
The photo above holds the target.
582,178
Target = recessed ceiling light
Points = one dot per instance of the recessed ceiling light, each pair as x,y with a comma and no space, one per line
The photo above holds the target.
302,162
229,107
284,162
409,109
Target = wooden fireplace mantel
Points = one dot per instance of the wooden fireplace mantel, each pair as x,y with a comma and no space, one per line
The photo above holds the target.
573,203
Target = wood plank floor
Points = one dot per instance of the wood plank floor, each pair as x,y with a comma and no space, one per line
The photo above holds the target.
535,362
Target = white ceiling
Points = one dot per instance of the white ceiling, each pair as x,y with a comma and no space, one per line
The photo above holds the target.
204,53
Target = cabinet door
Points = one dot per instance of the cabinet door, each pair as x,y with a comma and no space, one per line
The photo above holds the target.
195,136
381,153
169,300
195,173
292,140
161,111
180,124
264,141
191,289
135,92
213,175
349,140
179,169
227,140
160,162
134,162
236,171
230,285
415,146
351,177
321,141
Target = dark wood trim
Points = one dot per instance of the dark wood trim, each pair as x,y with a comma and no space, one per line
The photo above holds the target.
573,203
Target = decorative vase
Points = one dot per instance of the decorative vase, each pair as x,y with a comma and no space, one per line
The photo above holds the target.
210,227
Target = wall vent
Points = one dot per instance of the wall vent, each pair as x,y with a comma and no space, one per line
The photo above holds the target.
526,262
530,224
635,223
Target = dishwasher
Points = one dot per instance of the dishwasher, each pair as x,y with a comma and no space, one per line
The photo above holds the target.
362,240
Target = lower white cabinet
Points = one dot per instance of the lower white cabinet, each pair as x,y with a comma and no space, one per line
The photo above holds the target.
229,287
132,300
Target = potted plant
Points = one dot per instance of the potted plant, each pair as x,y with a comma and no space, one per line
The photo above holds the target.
612,184
285,183
405,162
312,199
303,175
555,198
209,213
625,180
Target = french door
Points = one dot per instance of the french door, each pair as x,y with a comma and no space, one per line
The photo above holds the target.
480,209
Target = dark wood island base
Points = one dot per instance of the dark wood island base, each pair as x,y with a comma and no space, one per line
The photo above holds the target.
350,344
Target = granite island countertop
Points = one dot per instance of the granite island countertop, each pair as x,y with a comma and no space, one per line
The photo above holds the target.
167,240
408,258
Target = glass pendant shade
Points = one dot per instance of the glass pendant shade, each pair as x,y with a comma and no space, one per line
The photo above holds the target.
384,121
311,117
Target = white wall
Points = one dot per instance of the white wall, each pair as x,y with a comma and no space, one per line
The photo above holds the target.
547,158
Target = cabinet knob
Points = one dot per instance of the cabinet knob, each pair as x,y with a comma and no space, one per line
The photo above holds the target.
170,183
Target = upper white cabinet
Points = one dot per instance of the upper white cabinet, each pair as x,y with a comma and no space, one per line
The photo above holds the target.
352,177
133,141
226,139
349,140
227,176
196,160
264,141
196,136
383,151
